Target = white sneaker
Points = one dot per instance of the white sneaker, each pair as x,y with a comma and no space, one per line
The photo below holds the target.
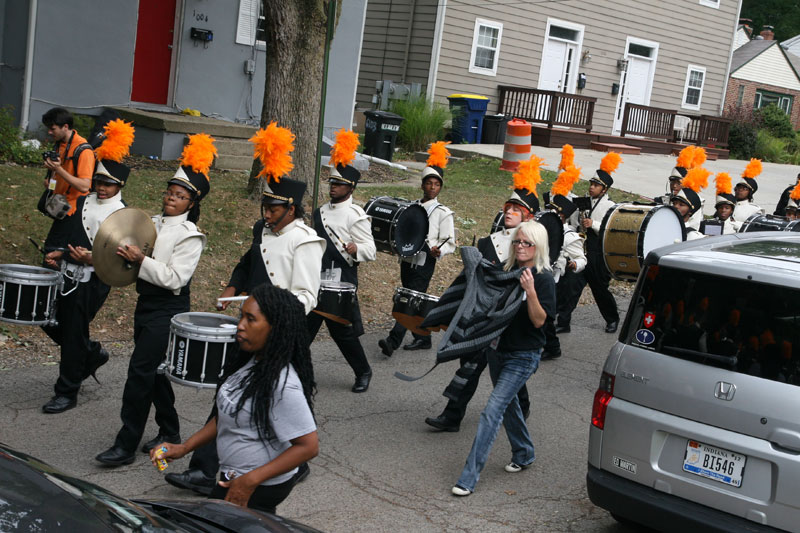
458,491
513,467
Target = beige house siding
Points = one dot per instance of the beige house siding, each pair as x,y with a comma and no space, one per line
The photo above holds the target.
383,49
770,64
652,20
741,38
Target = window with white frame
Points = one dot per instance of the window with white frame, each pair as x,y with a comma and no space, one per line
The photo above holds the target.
485,47
693,90
251,24
710,3
764,98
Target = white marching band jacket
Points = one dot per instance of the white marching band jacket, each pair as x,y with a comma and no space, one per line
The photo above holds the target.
95,211
744,209
347,222
501,241
176,253
572,250
600,207
441,231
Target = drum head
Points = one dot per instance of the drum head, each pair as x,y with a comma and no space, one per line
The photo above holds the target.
330,285
204,325
410,230
555,232
663,227
28,275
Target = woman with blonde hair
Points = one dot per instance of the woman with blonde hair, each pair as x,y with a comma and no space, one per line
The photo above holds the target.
515,358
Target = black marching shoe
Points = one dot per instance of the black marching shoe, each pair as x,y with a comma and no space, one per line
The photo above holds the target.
418,344
362,382
387,347
91,367
192,479
158,439
547,356
611,327
443,423
59,404
562,329
116,456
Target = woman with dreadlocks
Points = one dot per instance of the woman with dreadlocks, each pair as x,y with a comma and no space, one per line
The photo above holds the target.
264,426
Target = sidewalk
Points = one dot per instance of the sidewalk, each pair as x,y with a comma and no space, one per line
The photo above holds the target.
646,174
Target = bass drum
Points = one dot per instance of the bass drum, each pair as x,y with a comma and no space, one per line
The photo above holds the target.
629,232
769,223
551,222
399,227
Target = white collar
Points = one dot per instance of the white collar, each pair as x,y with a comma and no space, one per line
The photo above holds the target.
116,198
174,221
342,204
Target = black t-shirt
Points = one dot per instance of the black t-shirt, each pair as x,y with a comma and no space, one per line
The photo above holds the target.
521,334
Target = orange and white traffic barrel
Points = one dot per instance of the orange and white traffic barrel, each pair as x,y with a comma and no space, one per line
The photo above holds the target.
518,144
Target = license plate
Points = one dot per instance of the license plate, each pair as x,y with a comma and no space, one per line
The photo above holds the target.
714,463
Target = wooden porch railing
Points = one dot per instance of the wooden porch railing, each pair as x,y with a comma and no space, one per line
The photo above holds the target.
551,108
656,123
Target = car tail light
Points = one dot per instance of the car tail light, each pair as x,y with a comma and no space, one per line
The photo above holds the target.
605,391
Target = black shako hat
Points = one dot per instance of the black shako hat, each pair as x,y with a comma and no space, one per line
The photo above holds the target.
347,175
725,198
526,199
286,191
112,172
434,171
603,178
562,204
195,182
690,198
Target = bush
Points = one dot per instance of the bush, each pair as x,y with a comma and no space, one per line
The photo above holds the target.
770,148
11,146
424,122
742,139
776,121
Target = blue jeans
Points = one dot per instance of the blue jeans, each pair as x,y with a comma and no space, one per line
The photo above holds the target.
509,372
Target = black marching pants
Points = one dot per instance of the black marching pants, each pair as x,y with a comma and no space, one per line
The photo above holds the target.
74,313
143,386
345,338
416,278
598,278
568,293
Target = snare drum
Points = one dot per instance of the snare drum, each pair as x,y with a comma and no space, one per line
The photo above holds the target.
336,300
399,227
411,307
769,223
199,346
629,232
551,222
28,295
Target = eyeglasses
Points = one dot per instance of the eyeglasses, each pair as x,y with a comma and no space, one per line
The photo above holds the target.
524,244
167,194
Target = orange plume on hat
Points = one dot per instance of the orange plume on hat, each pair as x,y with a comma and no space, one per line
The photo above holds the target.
699,156
795,194
696,179
686,157
610,162
723,183
563,184
273,146
118,141
527,176
344,151
753,168
199,153
438,154
567,157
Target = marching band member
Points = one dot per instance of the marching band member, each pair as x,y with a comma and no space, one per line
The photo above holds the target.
496,248
725,202
346,230
690,157
285,253
163,288
744,191
687,201
790,210
780,209
416,272
572,259
80,355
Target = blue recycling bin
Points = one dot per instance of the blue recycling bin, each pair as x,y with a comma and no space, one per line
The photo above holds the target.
468,111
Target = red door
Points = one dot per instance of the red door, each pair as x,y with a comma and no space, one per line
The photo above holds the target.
152,56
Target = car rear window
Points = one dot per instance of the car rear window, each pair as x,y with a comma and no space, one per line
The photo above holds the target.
728,323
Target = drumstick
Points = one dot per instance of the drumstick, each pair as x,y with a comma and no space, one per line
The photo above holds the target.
233,299
443,242
335,235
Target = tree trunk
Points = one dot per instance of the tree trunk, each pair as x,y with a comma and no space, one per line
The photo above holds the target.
295,55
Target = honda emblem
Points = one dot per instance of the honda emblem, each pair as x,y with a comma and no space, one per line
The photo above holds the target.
724,390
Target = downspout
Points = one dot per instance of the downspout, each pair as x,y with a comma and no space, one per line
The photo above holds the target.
730,60
435,50
320,129
26,91
408,39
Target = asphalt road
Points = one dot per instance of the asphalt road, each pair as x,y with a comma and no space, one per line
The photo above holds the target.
380,467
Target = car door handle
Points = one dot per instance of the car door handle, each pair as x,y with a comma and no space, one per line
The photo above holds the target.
785,441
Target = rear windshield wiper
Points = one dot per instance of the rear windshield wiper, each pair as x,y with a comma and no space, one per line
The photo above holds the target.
727,360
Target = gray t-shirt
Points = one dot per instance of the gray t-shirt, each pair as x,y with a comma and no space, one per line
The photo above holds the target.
239,445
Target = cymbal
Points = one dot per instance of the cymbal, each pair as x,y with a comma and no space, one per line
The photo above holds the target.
129,226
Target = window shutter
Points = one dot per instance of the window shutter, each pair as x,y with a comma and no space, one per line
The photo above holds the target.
247,22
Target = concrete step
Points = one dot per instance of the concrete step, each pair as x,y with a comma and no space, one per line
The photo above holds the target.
423,156
233,162
615,147
178,123
231,146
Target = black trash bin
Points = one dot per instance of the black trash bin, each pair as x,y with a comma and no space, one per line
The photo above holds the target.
494,129
380,133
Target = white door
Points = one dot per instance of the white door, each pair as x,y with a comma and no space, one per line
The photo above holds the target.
557,72
636,82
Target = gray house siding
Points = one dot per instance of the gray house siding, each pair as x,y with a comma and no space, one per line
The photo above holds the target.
13,20
383,47
523,37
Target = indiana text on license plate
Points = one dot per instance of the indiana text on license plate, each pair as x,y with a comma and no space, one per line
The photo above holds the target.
714,463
